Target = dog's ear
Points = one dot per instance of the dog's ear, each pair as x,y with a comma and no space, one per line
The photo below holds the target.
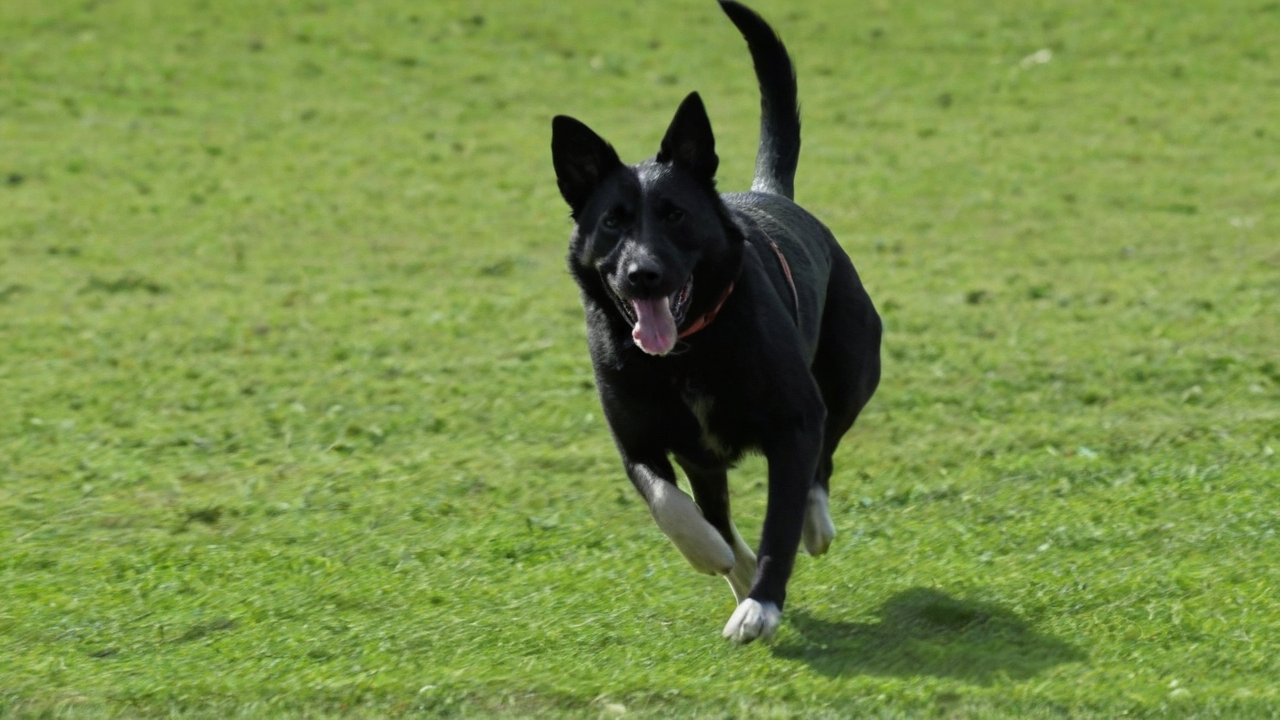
689,142
582,160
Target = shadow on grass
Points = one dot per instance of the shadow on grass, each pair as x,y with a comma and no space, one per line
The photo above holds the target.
927,632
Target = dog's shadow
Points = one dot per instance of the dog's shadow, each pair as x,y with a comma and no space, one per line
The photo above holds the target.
927,632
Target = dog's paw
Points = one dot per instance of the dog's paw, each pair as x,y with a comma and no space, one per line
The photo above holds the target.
752,620
680,519
818,531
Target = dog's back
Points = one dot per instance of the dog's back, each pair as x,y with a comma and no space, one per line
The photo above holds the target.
810,251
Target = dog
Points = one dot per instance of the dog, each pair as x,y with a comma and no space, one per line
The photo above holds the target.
720,324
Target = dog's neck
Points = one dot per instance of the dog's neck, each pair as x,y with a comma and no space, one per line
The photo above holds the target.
706,318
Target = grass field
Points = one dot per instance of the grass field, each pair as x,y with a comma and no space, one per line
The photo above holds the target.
296,416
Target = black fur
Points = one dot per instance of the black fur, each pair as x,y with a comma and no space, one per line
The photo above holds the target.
767,375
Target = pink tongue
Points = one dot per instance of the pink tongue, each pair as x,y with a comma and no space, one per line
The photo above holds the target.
655,330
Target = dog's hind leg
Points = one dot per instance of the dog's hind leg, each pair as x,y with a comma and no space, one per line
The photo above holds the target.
847,370
711,491
819,530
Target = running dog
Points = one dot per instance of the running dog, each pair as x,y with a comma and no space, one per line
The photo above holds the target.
720,324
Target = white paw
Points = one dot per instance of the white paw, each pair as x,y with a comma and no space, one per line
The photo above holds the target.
752,620
680,519
744,568
818,531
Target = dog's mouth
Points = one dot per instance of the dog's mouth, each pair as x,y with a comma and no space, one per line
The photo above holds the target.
654,321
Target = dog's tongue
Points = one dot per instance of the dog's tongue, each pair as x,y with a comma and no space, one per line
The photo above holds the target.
655,330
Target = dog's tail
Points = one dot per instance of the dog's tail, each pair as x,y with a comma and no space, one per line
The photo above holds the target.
779,150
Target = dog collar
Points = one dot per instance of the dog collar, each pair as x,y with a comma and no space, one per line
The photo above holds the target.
707,318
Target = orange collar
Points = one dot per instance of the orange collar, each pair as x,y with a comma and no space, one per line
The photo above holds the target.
706,319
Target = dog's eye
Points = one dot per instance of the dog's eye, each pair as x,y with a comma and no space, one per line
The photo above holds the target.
612,220
673,215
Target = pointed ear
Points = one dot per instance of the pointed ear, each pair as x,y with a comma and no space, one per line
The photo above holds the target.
582,160
689,142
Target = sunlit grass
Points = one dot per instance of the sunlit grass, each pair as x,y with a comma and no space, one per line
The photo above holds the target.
296,417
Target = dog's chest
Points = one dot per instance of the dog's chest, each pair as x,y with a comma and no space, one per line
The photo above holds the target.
712,421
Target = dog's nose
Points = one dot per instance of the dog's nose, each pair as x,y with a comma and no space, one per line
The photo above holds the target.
644,277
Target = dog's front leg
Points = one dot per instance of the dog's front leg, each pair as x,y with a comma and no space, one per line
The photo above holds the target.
710,487
678,516
792,457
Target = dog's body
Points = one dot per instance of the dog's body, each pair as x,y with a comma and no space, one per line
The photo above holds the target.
718,325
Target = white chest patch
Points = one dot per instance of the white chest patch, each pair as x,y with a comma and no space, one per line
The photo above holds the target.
701,406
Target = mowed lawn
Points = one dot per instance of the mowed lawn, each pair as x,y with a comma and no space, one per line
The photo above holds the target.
297,420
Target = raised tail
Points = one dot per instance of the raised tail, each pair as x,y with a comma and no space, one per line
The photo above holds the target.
779,150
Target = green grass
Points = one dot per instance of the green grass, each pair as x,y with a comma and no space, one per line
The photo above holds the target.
296,418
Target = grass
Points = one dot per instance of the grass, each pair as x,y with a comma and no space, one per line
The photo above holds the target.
297,417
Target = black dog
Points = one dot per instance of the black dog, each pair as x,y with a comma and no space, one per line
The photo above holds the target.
720,324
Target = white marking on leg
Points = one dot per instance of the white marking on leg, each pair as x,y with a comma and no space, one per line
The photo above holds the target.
752,620
680,519
744,567
818,531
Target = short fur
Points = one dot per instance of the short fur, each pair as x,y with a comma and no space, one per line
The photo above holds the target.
779,369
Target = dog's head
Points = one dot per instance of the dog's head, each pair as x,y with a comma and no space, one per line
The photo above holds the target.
654,241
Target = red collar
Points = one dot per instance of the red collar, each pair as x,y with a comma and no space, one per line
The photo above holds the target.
706,319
